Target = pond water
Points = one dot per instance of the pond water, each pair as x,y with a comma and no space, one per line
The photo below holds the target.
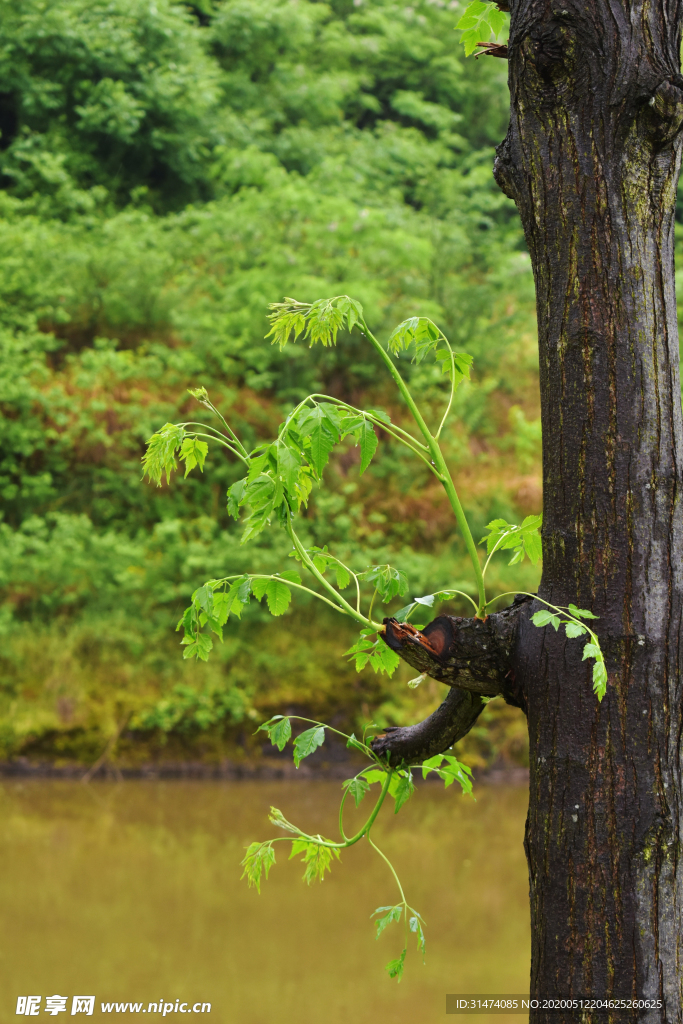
131,892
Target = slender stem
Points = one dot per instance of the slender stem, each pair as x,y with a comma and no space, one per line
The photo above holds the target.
391,868
212,437
227,426
462,594
365,828
299,586
440,464
372,601
321,579
450,400
495,548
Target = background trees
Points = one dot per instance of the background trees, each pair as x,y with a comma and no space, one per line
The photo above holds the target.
166,172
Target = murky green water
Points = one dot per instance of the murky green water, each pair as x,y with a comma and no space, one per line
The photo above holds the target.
131,892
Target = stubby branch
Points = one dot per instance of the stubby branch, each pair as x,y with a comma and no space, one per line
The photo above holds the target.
472,654
474,657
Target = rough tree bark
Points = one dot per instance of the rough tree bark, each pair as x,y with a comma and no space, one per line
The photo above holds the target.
592,160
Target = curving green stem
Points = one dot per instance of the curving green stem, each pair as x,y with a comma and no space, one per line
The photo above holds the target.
308,562
440,465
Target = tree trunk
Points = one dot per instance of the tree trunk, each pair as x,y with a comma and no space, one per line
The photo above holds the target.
592,160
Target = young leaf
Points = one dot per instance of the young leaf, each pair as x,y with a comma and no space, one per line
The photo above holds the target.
574,629
430,764
198,646
357,787
317,858
545,618
308,741
456,771
193,453
236,494
581,613
414,683
260,857
479,21
591,650
599,679
395,967
392,917
383,659
416,926
389,582
342,576
353,744
159,459
280,732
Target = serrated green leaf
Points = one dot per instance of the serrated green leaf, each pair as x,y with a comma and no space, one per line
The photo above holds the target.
357,788
278,596
591,650
342,576
203,599
353,744
288,467
308,741
599,679
368,445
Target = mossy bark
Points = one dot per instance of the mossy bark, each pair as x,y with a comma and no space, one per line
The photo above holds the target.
592,160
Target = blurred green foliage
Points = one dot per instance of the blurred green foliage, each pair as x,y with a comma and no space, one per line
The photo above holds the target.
167,171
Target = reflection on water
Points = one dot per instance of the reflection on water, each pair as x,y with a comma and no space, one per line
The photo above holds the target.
131,892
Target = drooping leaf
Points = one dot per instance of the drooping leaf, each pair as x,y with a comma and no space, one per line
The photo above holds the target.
198,646
368,445
193,452
404,791
259,858
357,788
390,915
395,967
308,741
430,764
236,497
278,596
316,858
415,925
573,629
390,582
159,458
280,732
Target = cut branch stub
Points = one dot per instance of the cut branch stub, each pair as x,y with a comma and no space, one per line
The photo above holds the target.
472,654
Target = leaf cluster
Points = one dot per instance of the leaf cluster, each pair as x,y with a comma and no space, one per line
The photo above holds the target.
522,540
480,19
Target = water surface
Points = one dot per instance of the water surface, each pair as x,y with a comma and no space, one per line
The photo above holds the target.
132,892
